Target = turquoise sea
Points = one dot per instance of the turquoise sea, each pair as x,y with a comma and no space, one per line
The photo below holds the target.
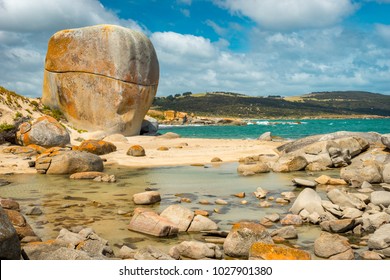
289,129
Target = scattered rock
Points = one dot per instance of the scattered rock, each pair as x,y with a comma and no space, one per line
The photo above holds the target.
261,251
351,213
380,198
126,253
374,221
97,147
289,163
309,200
304,183
367,170
370,255
198,250
265,204
260,193
201,223
287,232
338,226
216,159
146,198
385,138
380,239
331,245
221,202
68,162
266,136
344,199
180,216
90,175
34,211
10,204
274,217
45,132
169,135
240,195
9,241
291,219
151,253
256,168
162,148
116,138
4,182
149,222
136,151
242,236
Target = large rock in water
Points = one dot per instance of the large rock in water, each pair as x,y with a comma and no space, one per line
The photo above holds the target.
45,132
102,68
9,241
68,162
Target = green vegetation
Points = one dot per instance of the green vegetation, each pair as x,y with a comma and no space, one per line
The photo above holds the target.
55,113
6,127
18,115
230,104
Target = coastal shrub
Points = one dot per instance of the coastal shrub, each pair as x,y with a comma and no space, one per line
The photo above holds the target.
6,127
55,113
18,115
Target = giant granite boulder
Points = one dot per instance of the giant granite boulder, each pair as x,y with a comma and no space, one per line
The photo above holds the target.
101,77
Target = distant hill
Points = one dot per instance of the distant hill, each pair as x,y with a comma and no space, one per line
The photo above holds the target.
315,104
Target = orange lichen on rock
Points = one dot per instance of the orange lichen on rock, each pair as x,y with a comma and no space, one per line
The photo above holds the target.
262,251
97,147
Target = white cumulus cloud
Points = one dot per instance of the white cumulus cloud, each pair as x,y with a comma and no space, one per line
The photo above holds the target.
290,14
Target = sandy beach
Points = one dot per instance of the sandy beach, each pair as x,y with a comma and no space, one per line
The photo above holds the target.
181,151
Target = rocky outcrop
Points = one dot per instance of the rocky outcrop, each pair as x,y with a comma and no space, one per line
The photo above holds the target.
68,162
196,250
149,222
9,241
45,132
97,147
242,236
103,68
261,251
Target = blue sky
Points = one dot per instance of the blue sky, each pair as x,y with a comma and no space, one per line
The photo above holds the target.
256,47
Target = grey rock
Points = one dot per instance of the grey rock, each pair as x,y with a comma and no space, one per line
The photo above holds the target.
365,185
179,216
274,217
200,223
151,253
146,198
260,193
351,213
70,237
380,239
34,211
380,198
374,221
338,226
126,253
242,236
291,219
309,200
289,163
304,182
332,208
287,232
368,170
149,126
9,242
344,199
314,218
266,136
347,255
386,173
328,245
170,135
370,255
198,250
385,139
4,182
256,168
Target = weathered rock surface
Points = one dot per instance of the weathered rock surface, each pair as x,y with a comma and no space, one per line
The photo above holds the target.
45,132
103,68
304,183
242,236
380,198
266,136
84,244
380,239
136,151
368,170
145,198
97,147
291,219
287,232
198,250
9,241
89,175
385,138
180,216
338,226
149,126
332,245
288,163
261,251
200,223
309,200
151,253
68,162
344,199
149,222
255,168
371,222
